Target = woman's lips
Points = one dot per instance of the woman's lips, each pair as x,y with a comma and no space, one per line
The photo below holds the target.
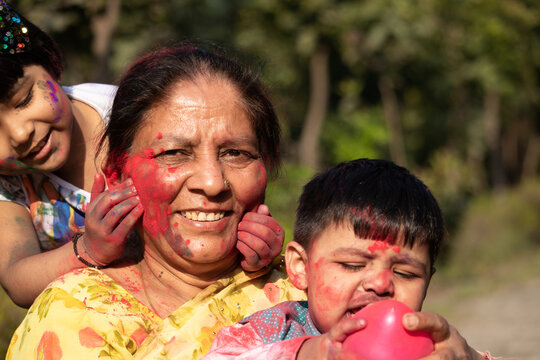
203,216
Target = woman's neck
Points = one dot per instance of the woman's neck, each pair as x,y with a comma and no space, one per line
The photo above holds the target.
164,288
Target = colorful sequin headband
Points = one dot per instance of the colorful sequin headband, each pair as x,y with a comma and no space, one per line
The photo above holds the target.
13,32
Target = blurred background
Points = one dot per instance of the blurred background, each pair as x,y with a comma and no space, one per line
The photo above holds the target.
449,89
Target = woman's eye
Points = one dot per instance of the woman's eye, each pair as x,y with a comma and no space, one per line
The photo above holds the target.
26,100
237,155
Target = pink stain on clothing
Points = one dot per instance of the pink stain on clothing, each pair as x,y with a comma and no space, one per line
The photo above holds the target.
272,292
89,338
139,336
49,347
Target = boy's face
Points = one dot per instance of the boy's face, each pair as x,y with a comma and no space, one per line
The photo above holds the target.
343,273
35,125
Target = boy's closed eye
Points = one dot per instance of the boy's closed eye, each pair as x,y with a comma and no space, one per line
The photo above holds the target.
352,266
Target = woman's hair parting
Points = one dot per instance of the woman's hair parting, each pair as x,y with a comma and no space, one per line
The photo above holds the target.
22,44
378,199
147,82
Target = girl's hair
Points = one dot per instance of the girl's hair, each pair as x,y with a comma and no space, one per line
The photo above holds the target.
380,200
147,82
39,49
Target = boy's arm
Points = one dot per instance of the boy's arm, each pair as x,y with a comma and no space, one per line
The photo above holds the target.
24,270
242,341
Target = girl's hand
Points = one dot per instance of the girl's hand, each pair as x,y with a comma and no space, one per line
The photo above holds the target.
329,345
110,216
260,238
449,344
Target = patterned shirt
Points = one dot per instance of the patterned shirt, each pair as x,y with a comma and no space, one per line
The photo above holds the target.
274,333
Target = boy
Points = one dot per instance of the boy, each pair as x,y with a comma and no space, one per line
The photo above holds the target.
366,230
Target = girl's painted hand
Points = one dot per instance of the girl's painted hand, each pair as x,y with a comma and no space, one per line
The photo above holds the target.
449,344
329,345
260,238
110,216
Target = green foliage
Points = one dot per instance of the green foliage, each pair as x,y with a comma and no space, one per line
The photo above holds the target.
10,318
283,193
496,229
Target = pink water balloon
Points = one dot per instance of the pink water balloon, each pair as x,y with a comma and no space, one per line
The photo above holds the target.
384,337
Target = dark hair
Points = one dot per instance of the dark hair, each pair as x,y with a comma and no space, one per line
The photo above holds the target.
146,84
40,50
379,199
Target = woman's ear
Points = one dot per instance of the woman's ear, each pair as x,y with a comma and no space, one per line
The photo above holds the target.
296,262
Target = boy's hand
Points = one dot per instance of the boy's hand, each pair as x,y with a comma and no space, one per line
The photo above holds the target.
260,238
110,216
329,345
449,344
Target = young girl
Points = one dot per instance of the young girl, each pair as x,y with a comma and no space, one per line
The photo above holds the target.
48,165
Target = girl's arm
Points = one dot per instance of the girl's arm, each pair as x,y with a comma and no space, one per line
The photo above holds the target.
24,270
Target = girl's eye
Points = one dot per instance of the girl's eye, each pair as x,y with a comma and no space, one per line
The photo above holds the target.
26,100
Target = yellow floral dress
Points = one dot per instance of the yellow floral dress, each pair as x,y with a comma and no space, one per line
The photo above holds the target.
87,315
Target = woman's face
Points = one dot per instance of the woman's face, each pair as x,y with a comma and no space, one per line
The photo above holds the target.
35,125
197,169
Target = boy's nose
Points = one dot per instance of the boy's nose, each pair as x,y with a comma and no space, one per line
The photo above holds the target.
380,282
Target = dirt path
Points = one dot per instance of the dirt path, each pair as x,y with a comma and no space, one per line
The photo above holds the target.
506,322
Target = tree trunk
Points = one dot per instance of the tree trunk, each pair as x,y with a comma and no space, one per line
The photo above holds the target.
393,122
308,151
531,159
492,132
103,23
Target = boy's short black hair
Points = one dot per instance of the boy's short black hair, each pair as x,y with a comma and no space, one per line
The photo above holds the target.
40,50
380,199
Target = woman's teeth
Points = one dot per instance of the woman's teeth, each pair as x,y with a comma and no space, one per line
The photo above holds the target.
203,216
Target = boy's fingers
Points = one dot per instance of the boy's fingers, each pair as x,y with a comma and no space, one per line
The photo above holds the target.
345,327
434,324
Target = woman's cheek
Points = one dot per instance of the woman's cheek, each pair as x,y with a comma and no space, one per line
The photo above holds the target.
252,186
154,185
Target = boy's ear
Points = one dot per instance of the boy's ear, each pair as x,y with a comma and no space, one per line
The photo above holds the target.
296,262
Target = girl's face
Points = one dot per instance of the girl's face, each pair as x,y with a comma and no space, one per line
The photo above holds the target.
343,273
197,169
35,125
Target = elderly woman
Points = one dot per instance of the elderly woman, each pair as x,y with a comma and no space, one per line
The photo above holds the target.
197,134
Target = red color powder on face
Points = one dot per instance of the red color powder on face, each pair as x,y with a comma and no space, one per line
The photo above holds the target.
272,292
159,136
188,242
382,245
155,198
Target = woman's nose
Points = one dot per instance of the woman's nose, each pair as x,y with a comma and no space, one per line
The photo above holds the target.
208,178
380,282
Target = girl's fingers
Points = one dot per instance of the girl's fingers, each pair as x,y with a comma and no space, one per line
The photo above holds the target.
256,244
128,222
107,200
115,215
98,187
